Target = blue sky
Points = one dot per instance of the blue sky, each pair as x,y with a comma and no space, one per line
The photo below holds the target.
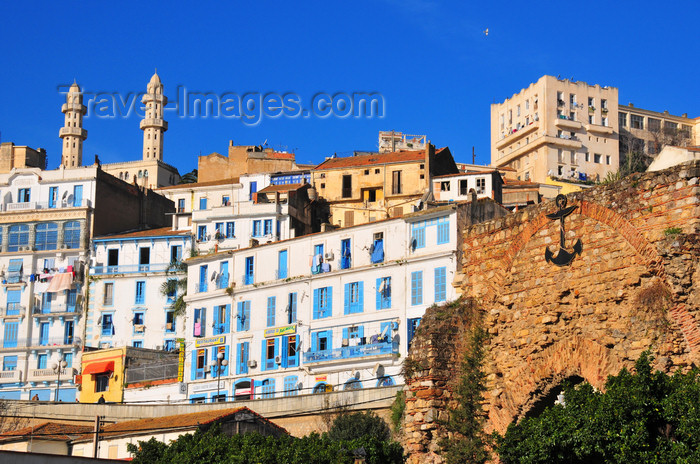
437,71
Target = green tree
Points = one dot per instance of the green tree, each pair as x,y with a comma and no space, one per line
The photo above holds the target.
354,425
190,178
176,283
643,417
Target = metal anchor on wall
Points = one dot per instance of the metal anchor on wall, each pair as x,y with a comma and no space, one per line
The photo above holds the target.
564,256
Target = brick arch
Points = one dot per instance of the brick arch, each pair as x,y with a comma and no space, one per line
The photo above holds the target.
597,212
576,355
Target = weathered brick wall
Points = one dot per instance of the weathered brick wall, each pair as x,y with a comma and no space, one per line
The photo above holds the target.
634,287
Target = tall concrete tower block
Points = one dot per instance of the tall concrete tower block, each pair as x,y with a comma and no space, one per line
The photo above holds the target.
153,125
72,132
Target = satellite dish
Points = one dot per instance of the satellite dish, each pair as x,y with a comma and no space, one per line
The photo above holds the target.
70,199
213,276
65,194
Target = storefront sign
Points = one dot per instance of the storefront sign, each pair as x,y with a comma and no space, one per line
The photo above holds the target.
198,387
210,341
277,331
321,378
181,360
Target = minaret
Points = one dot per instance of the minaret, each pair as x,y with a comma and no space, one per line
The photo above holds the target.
72,132
153,125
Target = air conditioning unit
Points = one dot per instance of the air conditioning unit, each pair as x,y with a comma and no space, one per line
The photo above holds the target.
328,256
252,363
159,347
278,360
139,328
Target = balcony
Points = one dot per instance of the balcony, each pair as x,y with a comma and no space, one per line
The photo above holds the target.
129,269
159,123
566,123
56,310
13,310
34,205
517,134
58,341
73,131
243,208
222,282
48,375
347,352
598,129
10,376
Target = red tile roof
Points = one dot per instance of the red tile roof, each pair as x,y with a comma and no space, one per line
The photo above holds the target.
163,231
402,156
177,422
47,431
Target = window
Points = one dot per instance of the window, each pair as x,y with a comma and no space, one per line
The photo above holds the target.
222,316
171,296
440,284
71,234
230,230
77,195
203,281
371,195
225,200
384,293
44,333
597,158
257,228
203,203
323,304
108,297
321,341
347,186
140,292
181,205
282,264
607,159
292,308
622,119
249,271
591,102
396,183
10,334
588,157
291,383
18,236
242,350
268,227
636,121
219,230
443,231
290,351
243,316
137,344
366,172
418,235
573,157
268,388
572,99
9,363
46,236
175,253
144,258
354,298
377,250
252,190
200,364
345,254
445,186
101,383
24,195
480,185
604,121
417,288
591,119
53,196
670,127
270,350
271,309
107,325
112,259
200,322
170,321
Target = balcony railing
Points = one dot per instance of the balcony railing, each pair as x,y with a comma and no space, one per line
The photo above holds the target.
56,341
56,308
49,374
151,372
222,281
129,268
32,205
372,349
10,376
14,309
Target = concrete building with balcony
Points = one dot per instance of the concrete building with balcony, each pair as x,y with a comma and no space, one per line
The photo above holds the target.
325,311
126,306
557,128
376,186
227,214
46,221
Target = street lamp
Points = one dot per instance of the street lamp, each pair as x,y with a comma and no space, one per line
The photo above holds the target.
221,363
57,369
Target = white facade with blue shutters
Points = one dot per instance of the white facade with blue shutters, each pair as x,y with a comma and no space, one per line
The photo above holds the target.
335,309
126,307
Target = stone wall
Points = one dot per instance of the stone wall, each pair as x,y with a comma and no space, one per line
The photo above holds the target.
635,286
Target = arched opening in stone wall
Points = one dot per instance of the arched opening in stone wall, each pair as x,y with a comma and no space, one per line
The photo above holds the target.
548,398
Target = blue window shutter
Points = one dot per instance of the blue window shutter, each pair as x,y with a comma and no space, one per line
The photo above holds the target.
277,350
285,351
263,355
193,367
224,371
347,299
314,341
204,321
317,291
212,368
329,301
216,320
345,333
246,357
239,364
227,325
379,294
361,330
360,297
247,315
329,337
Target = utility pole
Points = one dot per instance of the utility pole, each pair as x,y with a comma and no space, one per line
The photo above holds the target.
95,437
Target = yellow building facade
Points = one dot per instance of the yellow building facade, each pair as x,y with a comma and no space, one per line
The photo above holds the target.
103,375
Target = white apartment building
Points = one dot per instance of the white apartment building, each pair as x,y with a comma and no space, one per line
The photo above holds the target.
458,187
329,310
126,306
44,225
225,215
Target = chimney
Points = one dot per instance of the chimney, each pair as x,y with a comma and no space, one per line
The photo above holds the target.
429,156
